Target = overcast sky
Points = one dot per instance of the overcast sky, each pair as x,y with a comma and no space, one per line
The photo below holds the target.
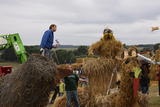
81,22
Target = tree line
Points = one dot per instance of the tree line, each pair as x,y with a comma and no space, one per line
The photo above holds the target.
60,56
64,55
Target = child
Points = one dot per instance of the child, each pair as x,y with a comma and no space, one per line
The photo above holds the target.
61,88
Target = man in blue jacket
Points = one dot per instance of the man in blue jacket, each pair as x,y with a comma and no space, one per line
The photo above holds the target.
47,41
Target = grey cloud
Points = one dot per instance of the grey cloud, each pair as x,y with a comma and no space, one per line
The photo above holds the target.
80,21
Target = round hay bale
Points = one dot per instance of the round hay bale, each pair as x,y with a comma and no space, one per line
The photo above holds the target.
30,85
1,80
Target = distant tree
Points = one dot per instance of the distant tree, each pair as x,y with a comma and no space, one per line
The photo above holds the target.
82,50
70,57
156,46
32,49
146,49
76,53
63,56
124,45
9,54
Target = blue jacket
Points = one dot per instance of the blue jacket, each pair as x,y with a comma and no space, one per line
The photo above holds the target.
47,39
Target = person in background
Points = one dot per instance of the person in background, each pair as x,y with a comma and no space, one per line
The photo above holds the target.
158,78
144,79
71,84
47,41
144,82
56,92
61,88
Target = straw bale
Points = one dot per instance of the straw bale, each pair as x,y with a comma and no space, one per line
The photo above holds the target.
142,100
30,85
99,73
105,100
83,95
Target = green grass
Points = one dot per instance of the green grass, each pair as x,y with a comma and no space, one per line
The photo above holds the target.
68,49
154,100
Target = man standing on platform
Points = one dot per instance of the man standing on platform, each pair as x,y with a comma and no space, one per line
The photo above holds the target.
47,41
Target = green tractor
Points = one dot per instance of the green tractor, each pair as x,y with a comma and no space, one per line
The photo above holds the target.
12,40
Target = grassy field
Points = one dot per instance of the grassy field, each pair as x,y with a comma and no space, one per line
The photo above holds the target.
68,49
154,99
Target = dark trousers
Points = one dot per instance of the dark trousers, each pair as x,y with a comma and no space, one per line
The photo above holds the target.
56,91
47,53
144,89
72,96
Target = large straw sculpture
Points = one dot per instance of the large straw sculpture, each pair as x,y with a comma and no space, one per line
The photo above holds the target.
107,47
100,70
30,85
99,73
125,96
